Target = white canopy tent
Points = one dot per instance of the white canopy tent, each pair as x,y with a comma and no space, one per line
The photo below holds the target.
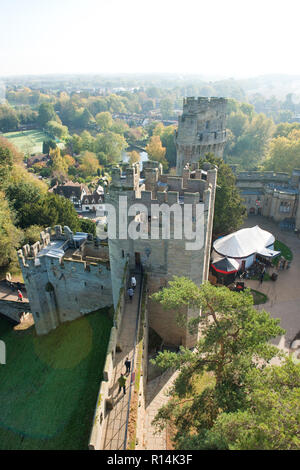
245,244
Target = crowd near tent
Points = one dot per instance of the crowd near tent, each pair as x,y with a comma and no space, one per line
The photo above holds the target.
243,246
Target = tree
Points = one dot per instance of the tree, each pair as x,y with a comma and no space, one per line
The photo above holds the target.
252,146
156,151
84,119
10,236
104,120
46,114
87,141
57,130
6,162
229,207
59,165
89,164
9,120
70,161
249,135
48,211
134,157
111,144
32,234
166,108
271,420
234,341
237,123
168,141
48,145
285,128
284,153
88,226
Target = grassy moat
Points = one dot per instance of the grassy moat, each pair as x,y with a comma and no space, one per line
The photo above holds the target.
49,385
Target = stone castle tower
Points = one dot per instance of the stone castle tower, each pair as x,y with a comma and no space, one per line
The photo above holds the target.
66,276
162,258
201,129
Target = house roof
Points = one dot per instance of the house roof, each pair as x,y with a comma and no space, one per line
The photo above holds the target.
69,189
244,243
94,198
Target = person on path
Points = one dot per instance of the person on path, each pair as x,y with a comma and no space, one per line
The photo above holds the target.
127,365
122,383
130,293
133,282
20,296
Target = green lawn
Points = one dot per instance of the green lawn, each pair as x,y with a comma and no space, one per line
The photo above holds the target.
285,252
259,297
28,142
49,385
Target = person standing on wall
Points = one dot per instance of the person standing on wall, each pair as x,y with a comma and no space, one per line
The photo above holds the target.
133,282
130,293
122,383
20,296
127,365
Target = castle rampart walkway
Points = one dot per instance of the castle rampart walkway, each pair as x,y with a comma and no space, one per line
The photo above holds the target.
116,424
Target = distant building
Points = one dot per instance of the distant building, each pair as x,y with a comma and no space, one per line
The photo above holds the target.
274,195
72,191
93,202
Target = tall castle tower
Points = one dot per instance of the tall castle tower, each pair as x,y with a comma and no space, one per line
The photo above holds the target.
201,129
162,257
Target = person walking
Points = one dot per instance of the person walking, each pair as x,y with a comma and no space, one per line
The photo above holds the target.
133,282
122,383
127,365
20,296
130,293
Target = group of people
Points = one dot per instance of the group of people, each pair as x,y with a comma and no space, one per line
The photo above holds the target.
132,287
122,378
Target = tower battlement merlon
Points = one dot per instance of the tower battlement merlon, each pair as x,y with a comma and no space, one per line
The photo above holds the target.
200,104
126,176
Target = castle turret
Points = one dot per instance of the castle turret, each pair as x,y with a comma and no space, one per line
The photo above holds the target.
201,129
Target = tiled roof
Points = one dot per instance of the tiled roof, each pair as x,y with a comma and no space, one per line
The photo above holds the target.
92,199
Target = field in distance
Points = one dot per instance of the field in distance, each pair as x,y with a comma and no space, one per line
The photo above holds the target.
28,142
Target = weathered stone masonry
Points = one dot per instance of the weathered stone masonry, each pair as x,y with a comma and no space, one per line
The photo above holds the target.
66,276
201,129
163,258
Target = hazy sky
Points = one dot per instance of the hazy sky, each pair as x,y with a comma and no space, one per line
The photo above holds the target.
235,38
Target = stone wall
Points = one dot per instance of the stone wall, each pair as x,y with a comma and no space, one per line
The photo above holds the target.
13,310
167,256
104,400
67,282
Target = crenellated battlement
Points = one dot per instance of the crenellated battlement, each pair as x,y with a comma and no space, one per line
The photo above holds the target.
66,275
193,104
126,176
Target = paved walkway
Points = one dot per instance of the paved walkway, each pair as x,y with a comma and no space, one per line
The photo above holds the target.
6,293
116,423
156,397
283,294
